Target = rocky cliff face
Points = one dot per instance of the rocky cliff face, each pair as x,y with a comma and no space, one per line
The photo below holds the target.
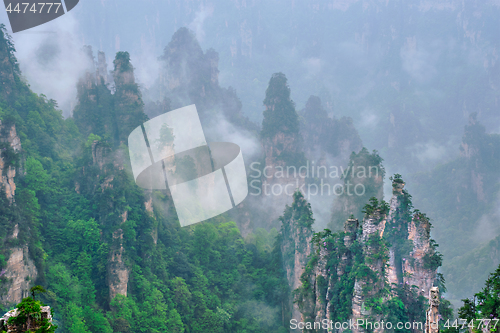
96,180
432,314
296,244
118,272
397,201
20,271
418,270
9,159
330,263
281,142
370,286
413,258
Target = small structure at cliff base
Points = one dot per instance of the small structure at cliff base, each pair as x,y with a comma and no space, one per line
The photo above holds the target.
432,315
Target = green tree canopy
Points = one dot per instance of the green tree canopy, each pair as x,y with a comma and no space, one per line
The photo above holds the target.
280,114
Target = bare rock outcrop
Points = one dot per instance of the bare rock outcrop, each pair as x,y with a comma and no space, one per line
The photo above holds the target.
10,144
432,314
118,272
20,271
419,270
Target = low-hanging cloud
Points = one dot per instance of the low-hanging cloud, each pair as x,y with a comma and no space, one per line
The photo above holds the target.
197,24
312,66
431,153
488,225
221,130
369,120
418,61
51,59
146,66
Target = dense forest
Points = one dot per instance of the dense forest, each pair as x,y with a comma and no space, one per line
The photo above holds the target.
110,262
78,234
399,77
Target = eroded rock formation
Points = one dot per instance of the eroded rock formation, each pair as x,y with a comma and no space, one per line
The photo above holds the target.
284,165
351,273
10,145
413,259
371,285
432,315
418,271
97,179
296,244
118,272
20,270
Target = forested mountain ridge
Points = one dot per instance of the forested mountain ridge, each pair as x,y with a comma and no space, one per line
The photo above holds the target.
190,76
114,258
32,130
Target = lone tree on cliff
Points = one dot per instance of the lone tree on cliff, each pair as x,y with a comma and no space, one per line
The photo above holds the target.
37,289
